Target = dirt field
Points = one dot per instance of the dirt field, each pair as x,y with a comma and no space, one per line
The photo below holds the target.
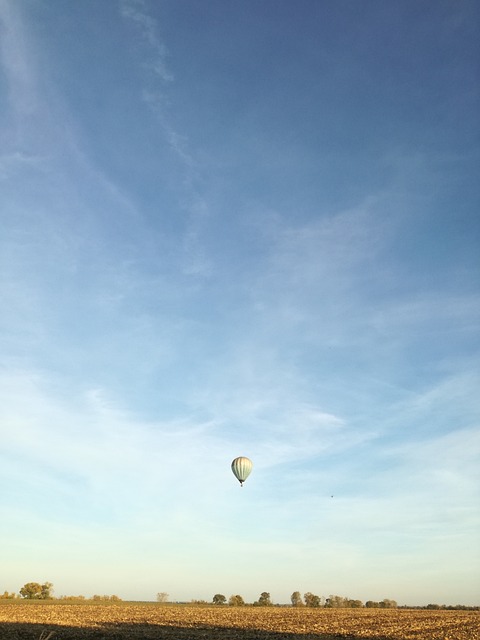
122,621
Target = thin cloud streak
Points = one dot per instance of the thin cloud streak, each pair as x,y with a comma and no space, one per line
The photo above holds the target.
196,261
16,60
135,11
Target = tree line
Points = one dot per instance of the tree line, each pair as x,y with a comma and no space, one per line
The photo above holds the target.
309,600
37,591
332,602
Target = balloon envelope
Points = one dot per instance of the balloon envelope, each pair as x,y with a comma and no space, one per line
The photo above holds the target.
241,468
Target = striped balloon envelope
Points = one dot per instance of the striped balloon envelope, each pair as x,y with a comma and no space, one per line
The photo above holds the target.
241,468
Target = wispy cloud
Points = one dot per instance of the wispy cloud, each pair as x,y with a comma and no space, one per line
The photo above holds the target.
327,262
196,263
105,455
136,12
15,162
18,64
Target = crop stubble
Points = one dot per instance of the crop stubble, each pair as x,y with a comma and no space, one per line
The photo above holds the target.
132,621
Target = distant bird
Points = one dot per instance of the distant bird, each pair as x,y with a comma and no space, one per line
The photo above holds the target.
241,468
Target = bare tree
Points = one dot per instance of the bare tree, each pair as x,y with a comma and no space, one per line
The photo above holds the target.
162,596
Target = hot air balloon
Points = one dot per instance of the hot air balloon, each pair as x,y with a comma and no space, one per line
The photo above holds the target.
241,468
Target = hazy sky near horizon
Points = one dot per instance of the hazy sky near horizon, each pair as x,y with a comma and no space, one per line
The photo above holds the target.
240,228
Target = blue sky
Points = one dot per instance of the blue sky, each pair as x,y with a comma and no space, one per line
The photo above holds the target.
240,228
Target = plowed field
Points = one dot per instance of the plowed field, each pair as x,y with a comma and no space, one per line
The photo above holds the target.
122,621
